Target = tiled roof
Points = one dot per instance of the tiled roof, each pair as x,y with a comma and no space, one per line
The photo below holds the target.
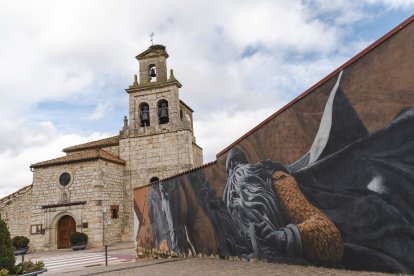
85,155
107,142
16,193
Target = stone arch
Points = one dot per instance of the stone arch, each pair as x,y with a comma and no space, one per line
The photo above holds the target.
55,226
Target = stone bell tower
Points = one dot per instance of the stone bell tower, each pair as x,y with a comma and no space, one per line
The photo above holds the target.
159,140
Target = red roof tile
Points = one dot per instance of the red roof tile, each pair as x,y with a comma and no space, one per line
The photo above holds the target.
98,144
86,155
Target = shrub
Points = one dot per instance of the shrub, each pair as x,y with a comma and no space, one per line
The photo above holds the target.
78,238
20,242
29,266
7,258
4,272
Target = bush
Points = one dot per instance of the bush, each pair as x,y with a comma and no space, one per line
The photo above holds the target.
7,258
4,272
29,266
78,238
20,242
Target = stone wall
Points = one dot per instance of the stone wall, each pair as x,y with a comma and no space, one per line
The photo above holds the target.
159,155
14,210
93,182
152,97
197,155
113,178
114,150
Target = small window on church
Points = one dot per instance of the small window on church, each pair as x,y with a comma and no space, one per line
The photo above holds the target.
64,179
152,73
154,179
144,115
163,112
114,211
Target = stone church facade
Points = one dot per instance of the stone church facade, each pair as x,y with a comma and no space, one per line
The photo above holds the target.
90,188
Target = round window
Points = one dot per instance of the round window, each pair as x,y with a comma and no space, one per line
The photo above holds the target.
64,179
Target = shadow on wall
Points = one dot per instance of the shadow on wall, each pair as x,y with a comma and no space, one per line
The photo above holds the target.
347,202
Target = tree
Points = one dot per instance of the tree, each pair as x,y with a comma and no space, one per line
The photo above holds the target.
7,258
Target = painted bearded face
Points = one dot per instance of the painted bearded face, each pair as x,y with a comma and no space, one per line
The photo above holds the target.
249,194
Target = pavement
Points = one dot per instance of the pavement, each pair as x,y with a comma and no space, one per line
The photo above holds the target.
122,262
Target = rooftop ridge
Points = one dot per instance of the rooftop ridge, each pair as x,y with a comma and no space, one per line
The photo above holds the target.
91,154
16,193
106,142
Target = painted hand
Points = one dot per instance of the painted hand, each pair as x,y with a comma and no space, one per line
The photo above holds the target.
269,236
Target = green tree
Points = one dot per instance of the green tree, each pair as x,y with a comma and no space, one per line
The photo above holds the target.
6,248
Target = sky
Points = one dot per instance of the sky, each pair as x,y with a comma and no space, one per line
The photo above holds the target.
65,65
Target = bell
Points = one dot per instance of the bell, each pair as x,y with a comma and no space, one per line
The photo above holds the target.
152,73
145,116
164,114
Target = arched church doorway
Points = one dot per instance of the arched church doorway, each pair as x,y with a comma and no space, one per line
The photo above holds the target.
65,227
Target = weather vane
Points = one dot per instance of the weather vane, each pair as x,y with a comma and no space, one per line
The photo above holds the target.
152,37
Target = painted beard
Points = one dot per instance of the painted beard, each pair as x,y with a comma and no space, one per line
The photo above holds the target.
250,198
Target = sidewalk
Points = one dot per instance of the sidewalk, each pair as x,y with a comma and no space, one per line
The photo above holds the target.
50,253
187,266
206,266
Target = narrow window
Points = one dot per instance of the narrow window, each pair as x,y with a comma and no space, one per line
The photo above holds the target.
114,211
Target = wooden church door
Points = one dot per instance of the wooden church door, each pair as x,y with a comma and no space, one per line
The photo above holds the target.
66,226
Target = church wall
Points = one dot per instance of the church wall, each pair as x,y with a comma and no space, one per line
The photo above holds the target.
46,188
89,182
151,97
197,155
114,150
158,155
113,179
326,181
15,212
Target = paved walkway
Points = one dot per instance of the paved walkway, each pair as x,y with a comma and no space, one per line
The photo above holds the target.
122,262
205,266
67,261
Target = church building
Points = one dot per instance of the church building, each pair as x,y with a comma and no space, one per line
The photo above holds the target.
90,189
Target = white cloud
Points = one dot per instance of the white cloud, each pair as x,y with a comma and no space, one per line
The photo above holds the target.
100,111
392,4
25,143
224,127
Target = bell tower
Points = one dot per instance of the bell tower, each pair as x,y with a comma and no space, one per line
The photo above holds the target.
153,64
158,139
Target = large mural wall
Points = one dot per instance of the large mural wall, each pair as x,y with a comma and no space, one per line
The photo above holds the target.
327,181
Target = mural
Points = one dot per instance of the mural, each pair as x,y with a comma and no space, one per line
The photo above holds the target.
345,201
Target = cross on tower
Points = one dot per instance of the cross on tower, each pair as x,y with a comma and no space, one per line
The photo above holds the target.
152,36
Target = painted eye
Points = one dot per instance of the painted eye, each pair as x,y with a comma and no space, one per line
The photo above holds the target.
235,198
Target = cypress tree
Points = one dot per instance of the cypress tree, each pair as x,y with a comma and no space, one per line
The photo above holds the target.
7,258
